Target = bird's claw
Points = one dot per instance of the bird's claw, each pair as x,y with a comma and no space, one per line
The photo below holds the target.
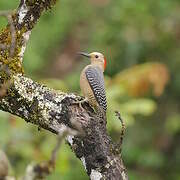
81,102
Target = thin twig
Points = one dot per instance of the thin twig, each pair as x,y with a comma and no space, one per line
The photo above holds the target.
64,132
11,47
4,86
8,15
13,35
119,144
43,169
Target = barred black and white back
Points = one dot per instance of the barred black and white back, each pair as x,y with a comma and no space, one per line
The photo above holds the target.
95,79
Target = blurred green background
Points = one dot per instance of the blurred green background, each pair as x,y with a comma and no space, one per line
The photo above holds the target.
141,41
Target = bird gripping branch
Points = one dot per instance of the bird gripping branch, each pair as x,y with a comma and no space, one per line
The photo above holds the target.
92,82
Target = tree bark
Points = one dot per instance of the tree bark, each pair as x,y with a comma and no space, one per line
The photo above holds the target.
53,110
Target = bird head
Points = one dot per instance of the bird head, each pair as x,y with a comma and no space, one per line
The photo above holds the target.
96,59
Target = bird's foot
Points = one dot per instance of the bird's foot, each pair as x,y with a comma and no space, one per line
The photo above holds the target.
81,102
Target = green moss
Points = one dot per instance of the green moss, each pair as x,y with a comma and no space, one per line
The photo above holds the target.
11,92
13,63
43,4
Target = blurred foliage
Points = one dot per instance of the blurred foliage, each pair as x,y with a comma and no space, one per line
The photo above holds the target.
140,78
141,41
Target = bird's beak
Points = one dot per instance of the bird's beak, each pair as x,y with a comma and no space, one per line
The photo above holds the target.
84,54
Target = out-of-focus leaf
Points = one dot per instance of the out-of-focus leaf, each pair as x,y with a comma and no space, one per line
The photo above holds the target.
139,79
114,92
3,22
63,165
173,123
139,106
9,4
151,159
137,175
4,128
115,124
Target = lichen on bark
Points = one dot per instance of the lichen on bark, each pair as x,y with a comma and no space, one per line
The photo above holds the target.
13,63
50,109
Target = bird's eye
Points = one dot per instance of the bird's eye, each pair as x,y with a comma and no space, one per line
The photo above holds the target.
96,56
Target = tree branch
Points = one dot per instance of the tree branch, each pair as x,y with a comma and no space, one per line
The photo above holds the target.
54,110
43,169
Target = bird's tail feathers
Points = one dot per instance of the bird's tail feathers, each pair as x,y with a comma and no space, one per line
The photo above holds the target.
100,112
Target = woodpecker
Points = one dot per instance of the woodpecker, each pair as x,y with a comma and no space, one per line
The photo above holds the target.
92,81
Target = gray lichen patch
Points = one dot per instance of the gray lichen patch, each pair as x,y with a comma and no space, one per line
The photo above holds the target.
25,38
22,11
37,103
40,96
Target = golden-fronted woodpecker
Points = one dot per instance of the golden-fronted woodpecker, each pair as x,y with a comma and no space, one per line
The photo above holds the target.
92,81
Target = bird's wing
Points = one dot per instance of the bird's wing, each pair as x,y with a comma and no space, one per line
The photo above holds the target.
95,78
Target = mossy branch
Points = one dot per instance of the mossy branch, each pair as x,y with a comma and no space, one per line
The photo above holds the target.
50,109
53,110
